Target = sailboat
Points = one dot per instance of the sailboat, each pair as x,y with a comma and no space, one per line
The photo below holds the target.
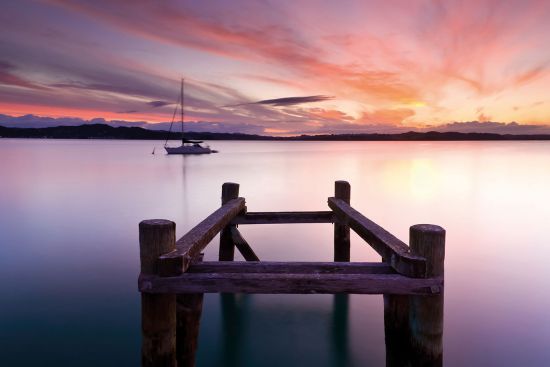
187,146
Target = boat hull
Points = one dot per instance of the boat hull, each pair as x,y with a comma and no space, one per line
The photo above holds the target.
188,150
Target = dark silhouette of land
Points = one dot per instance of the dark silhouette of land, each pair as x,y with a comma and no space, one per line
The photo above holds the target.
102,131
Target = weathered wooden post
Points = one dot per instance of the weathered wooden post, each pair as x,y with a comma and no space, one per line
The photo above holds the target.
396,328
230,191
342,191
426,312
188,319
158,311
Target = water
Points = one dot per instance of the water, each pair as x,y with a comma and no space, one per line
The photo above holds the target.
69,249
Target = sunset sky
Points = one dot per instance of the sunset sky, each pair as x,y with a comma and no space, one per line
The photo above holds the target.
279,67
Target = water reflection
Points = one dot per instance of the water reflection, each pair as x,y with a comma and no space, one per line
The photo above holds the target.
235,308
413,327
85,198
339,330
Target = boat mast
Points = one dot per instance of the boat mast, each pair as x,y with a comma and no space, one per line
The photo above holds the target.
182,115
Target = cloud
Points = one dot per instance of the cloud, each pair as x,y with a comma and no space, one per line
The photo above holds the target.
8,77
329,115
387,116
483,117
320,127
261,40
154,104
433,60
491,127
33,121
288,101
118,83
158,103
531,74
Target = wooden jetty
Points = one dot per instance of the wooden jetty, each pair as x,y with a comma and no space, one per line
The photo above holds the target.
174,278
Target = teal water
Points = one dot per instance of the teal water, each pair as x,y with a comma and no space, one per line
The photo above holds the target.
69,211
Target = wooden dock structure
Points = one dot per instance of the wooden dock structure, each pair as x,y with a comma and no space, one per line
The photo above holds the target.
174,277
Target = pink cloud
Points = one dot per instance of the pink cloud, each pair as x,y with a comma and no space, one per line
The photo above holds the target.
8,77
387,116
391,59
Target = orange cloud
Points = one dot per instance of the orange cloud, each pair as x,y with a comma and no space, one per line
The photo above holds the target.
427,65
84,113
278,45
531,74
329,114
483,118
386,116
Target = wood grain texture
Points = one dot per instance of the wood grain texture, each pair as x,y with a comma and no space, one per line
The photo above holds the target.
284,217
342,246
243,246
226,252
188,316
158,330
428,241
426,313
156,237
230,191
289,283
342,190
192,243
291,267
382,241
227,248
158,311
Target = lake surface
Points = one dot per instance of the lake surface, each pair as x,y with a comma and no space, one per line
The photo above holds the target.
69,259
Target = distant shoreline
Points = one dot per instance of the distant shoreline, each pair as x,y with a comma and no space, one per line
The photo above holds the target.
103,131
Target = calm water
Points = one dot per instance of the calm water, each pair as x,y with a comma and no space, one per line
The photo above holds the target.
69,247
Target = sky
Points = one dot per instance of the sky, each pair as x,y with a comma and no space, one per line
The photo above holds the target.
280,67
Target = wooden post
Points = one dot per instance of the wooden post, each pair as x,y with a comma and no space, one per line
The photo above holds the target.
426,312
158,311
342,190
188,316
341,231
230,191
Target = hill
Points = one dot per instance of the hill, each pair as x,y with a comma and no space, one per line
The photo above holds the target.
102,131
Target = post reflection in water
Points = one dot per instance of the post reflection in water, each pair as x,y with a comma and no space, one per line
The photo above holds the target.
412,324
100,190
234,311
339,332
396,329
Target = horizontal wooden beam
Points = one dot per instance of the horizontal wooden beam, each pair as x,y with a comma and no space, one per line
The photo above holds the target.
392,249
243,246
194,241
269,283
290,267
284,217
